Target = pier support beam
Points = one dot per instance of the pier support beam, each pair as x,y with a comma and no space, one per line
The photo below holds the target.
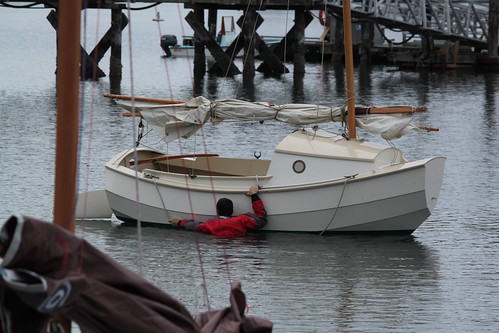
111,39
493,28
337,56
282,50
197,18
212,22
249,44
115,66
299,49
367,41
202,37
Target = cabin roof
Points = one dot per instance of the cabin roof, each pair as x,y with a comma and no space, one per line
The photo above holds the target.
320,144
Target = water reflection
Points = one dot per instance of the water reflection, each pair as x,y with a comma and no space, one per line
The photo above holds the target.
298,93
331,283
339,76
490,106
248,92
364,80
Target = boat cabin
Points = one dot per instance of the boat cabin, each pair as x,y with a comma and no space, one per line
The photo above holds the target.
305,156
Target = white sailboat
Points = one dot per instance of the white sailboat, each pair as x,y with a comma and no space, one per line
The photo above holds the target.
317,181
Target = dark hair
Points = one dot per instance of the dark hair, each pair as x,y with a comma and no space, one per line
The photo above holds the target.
225,207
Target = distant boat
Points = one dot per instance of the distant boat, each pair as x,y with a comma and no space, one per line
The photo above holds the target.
225,37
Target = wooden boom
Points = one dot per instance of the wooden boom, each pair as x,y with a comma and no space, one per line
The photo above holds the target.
144,99
360,110
171,157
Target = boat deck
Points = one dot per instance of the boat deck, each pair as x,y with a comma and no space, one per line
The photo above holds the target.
201,164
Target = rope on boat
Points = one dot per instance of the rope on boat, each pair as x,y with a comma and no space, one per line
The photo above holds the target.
347,178
162,202
135,152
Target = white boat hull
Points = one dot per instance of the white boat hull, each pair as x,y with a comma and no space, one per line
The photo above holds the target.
395,199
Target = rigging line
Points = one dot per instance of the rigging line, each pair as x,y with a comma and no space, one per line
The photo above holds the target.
232,56
165,62
188,58
212,185
92,113
162,202
191,208
270,132
203,275
286,31
347,178
326,26
243,24
134,135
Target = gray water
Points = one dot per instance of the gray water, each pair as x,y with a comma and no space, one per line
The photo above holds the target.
443,278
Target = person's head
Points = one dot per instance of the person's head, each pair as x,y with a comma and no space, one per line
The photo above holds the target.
225,207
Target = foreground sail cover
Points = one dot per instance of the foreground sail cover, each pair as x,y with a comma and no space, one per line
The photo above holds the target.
46,269
232,319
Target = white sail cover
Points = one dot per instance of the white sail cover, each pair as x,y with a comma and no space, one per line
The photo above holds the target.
173,121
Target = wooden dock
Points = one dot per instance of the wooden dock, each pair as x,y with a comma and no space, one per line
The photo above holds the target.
294,47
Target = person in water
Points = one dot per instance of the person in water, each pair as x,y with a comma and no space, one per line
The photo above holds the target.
225,224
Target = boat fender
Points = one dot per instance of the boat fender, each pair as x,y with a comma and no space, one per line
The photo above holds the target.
324,22
321,17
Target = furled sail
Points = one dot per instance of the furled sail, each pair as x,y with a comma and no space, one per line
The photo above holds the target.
173,121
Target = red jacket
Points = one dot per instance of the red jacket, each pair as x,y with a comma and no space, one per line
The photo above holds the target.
230,226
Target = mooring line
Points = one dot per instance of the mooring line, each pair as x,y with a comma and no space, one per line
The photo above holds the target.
347,178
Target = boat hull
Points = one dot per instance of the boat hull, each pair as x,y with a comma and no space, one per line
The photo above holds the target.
396,200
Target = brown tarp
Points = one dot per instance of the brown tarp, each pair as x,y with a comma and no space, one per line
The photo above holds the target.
46,269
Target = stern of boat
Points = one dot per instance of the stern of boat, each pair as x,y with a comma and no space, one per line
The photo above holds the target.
434,175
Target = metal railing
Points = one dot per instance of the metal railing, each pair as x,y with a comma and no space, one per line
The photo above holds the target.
466,21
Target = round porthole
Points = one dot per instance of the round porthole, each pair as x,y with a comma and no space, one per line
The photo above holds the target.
299,166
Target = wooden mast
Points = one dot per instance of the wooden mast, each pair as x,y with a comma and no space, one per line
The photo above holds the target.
68,84
347,40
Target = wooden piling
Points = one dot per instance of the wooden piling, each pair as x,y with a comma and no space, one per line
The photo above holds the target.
299,54
199,55
367,41
203,37
212,22
493,28
249,44
115,66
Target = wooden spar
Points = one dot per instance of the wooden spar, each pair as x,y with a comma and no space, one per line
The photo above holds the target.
144,99
359,110
130,114
68,98
347,36
172,157
426,128
68,84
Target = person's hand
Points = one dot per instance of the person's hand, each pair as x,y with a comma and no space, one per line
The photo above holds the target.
174,222
253,189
